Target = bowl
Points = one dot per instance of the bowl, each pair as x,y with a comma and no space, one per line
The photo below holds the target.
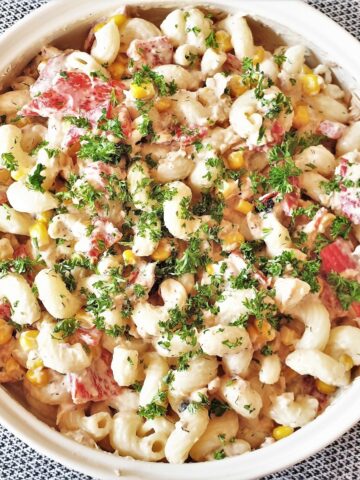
64,23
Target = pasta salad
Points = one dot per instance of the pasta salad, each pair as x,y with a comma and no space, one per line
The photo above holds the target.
179,256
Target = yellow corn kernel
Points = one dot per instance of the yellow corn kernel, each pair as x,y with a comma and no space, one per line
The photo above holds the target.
306,69
244,207
129,257
99,26
117,70
38,232
38,377
143,91
162,252
4,176
210,269
288,336
223,39
6,332
234,237
163,104
19,173
281,432
265,329
310,84
44,217
323,387
236,160
259,55
347,361
301,116
236,86
119,19
28,340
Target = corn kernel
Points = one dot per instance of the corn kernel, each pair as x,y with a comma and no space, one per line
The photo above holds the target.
38,377
19,173
259,55
236,86
38,232
44,217
4,176
323,387
142,92
28,340
117,70
281,432
244,207
310,84
223,39
265,329
306,69
119,19
99,26
210,269
234,237
236,160
6,332
301,116
162,252
163,104
347,361
129,257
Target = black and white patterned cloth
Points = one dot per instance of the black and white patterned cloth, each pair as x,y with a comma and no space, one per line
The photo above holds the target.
339,461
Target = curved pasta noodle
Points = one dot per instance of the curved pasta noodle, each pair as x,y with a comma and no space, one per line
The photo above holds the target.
25,309
56,298
319,365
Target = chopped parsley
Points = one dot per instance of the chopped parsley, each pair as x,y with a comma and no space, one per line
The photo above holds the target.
210,40
67,327
155,408
9,162
35,180
347,291
79,122
19,265
218,408
146,75
100,149
340,227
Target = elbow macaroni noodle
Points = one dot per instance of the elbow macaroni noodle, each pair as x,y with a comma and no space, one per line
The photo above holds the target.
179,218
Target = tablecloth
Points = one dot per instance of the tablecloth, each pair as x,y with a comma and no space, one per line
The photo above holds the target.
339,461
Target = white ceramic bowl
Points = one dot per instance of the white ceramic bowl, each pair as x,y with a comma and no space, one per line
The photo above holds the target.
294,20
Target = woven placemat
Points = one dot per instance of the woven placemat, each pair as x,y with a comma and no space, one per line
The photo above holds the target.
339,461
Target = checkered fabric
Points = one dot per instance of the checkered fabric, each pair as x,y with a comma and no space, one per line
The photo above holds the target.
339,461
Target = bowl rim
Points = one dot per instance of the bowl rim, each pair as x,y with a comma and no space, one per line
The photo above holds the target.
319,30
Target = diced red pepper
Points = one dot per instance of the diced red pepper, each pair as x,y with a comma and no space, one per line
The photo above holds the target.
337,257
333,130
153,52
5,311
74,94
96,383
290,203
104,236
